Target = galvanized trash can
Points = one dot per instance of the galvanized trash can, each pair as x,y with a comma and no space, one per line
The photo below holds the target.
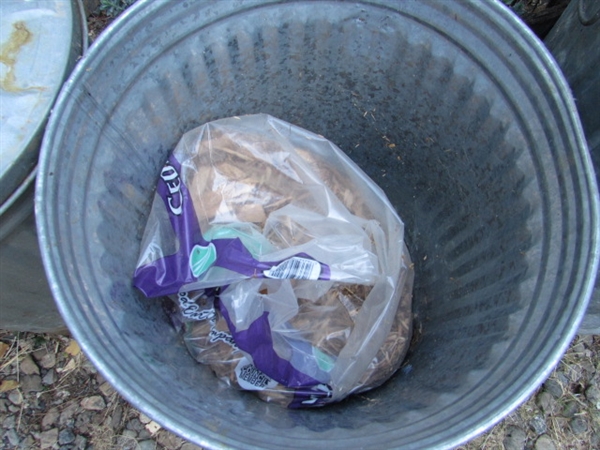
40,42
454,108
575,43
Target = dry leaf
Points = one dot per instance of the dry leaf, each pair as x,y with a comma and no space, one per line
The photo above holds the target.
70,366
8,385
73,348
3,349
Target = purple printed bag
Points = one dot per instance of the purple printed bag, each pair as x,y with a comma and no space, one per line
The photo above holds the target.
286,262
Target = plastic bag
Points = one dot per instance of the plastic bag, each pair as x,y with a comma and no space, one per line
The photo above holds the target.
286,261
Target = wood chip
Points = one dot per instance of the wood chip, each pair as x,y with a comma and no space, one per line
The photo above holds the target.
73,348
152,427
4,347
8,385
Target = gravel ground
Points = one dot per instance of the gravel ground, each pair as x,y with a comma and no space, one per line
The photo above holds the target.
51,397
564,413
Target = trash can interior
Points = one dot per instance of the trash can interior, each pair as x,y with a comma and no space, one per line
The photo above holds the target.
453,108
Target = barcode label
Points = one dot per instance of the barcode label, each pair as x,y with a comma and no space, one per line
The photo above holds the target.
295,268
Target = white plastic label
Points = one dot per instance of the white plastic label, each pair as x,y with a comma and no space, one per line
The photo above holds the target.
295,268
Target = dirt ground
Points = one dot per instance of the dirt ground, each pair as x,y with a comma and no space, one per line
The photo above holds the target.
51,397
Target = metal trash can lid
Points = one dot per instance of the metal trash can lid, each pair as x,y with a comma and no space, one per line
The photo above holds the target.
40,42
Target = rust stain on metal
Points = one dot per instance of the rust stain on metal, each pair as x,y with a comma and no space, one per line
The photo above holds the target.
9,52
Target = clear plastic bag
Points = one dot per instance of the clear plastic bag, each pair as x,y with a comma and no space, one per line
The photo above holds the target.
286,261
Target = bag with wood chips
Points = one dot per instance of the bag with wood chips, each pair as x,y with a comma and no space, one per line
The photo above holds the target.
286,262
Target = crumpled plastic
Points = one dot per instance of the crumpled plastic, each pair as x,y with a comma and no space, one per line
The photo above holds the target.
286,262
